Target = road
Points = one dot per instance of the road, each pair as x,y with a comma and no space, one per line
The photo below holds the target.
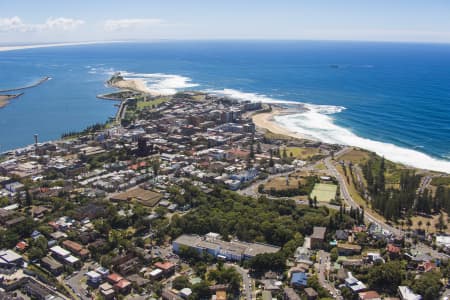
246,280
323,266
345,194
75,281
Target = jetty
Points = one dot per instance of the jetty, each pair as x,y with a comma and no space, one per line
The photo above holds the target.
41,81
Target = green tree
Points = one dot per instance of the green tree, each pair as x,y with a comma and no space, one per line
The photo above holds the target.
386,277
181,282
428,285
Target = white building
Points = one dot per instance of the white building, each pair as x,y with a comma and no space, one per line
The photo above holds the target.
406,294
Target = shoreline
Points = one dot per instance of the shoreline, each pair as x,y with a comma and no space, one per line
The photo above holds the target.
267,122
136,85
24,47
5,99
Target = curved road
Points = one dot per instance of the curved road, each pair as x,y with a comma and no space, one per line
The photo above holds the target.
345,194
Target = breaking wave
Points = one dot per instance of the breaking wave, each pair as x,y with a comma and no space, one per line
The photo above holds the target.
316,122
162,84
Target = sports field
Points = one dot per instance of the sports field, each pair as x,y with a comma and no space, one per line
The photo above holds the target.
324,192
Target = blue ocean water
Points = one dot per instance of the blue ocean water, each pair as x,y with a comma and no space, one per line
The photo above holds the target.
395,95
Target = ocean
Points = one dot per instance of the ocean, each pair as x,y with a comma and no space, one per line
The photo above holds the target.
390,98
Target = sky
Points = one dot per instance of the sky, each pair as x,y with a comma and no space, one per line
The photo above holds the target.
48,21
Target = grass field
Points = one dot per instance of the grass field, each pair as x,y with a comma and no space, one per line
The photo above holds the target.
148,104
276,136
302,153
436,181
280,183
355,156
324,192
433,220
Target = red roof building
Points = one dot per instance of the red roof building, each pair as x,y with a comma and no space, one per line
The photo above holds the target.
392,249
114,278
123,286
21,246
167,267
369,295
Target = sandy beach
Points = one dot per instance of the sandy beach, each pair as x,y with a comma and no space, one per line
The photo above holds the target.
137,85
13,48
4,99
266,121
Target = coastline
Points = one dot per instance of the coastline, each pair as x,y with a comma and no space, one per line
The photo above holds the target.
266,121
136,85
5,99
409,158
14,48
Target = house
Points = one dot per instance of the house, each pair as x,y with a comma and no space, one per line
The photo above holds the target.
14,187
405,293
185,293
299,279
52,265
311,294
21,246
393,250
290,294
426,266
221,295
93,278
123,286
318,237
443,241
114,278
107,291
10,259
354,284
156,274
167,268
345,249
76,249
169,295
341,235
369,295
102,271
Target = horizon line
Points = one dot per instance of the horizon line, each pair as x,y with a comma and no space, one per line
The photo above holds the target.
21,46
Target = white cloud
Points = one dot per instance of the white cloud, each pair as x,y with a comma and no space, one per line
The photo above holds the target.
124,24
12,24
16,24
62,23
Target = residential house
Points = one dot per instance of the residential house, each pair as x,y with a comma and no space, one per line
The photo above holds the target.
299,279
311,294
318,237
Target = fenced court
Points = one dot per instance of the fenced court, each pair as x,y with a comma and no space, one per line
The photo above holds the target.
324,192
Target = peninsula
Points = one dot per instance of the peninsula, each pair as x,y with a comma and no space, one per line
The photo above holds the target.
4,99
137,85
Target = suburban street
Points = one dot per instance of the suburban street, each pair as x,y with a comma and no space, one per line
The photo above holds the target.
246,280
76,282
322,267
345,194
